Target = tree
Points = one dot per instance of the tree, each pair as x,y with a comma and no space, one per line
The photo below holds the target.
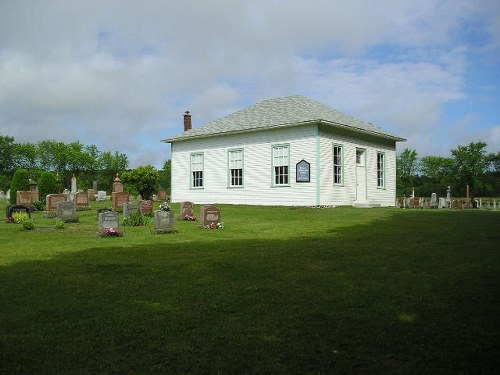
47,184
165,179
470,163
25,156
20,182
438,171
144,179
6,150
406,168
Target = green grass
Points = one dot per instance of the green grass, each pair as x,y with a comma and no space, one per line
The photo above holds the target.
278,290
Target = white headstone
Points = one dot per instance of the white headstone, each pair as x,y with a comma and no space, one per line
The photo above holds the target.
73,184
101,195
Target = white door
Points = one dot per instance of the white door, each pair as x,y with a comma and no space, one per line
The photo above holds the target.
360,175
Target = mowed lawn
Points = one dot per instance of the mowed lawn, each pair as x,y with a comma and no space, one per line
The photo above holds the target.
279,290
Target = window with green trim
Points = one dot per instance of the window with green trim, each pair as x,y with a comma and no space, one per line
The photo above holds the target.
235,162
197,170
281,165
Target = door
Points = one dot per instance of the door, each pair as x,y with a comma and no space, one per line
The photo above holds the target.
360,175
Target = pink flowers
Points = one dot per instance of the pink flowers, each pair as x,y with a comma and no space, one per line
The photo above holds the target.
112,232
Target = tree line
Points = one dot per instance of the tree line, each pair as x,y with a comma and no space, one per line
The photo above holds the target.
468,165
86,162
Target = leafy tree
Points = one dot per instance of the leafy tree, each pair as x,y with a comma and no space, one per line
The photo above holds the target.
438,171
6,150
165,179
25,155
47,184
406,168
470,163
20,182
144,179
111,164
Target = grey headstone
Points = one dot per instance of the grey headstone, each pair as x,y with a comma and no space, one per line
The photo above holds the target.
131,208
66,211
108,220
164,220
101,195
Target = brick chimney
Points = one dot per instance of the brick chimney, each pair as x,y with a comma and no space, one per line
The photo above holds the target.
187,121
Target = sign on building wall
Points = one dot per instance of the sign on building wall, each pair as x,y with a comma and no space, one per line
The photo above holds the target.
303,171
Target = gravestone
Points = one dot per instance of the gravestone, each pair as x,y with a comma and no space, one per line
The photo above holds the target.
117,185
11,209
210,215
91,194
119,198
73,184
24,198
101,196
102,210
81,199
66,211
51,201
164,221
434,201
162,195
2,195
94,185
35,197
131,208
108,220
442,202
187,209
147,207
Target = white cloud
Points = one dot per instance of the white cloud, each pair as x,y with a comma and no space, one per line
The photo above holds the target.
120,74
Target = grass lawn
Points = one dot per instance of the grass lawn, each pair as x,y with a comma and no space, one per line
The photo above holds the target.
279,290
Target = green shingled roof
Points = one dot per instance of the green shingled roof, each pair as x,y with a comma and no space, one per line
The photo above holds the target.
281,112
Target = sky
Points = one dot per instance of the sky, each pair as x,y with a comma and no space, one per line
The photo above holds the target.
120,74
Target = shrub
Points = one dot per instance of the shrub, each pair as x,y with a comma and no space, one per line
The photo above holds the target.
47,184
59,224
136,220
38,205
20,182
28,224
20,217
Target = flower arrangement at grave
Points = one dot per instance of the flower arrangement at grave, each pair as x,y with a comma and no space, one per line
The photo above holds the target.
215,226
9,219
112,232
164,207
189,218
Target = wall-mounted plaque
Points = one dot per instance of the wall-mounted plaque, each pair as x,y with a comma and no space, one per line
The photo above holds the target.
303,171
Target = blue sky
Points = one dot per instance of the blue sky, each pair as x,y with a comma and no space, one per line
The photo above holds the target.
120,74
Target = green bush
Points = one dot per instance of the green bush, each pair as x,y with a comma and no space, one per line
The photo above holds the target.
47,184
28,224
136,220
59,224
20,217
20,182
38,205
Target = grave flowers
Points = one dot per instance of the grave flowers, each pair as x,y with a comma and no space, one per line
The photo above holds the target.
9,219
112,232
215,226
164,207
189,218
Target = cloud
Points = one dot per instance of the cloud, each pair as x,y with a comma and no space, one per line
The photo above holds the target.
120,74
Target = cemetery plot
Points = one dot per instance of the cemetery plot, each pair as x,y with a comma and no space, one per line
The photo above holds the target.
210,217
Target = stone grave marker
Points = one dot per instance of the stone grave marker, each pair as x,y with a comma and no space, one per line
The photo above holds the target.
108,220
94,185
101,196
162,195
51,201
434,201
210,216
91,194
442,202
2,195
187,209
130,208
24,198
81,199
117,185
103,210
147,207
11,209
35,197
66,211
164,221
119,198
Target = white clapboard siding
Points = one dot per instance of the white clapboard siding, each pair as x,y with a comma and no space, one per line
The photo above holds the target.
257,184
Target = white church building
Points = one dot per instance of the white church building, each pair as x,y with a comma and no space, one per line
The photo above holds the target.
287,151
